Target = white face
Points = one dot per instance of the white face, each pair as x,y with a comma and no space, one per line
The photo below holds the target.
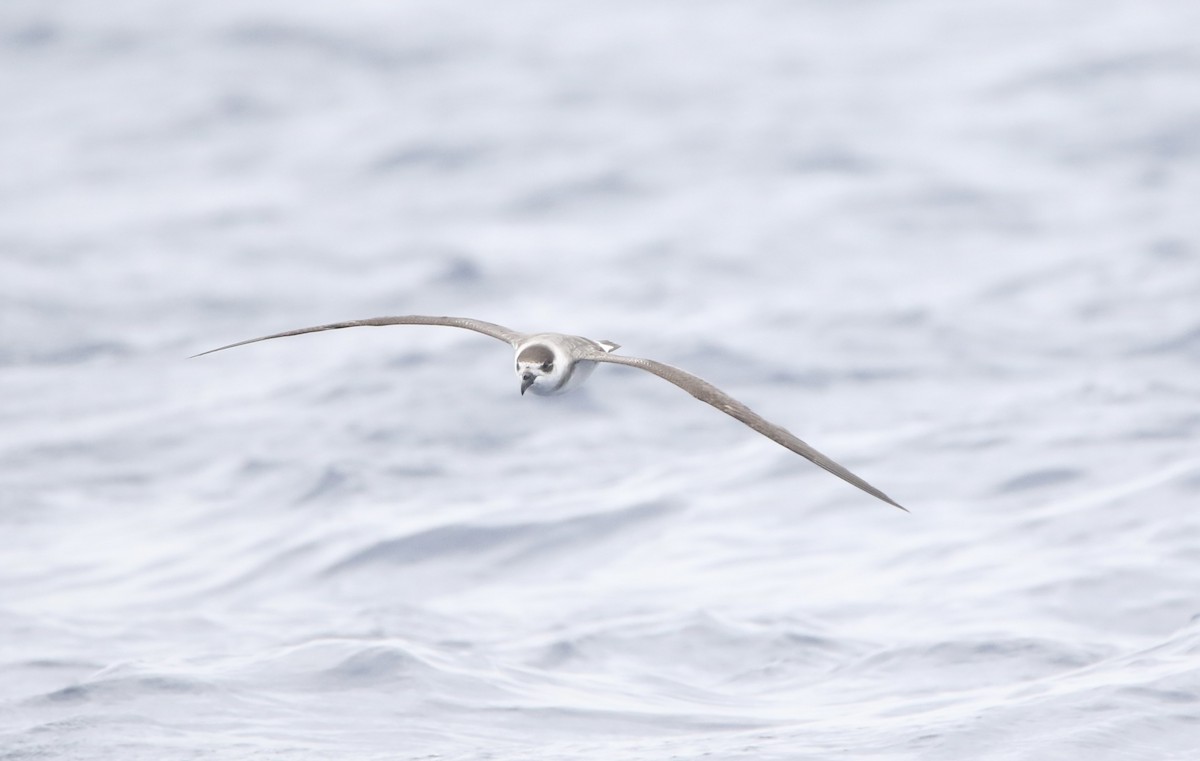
541,369
542,378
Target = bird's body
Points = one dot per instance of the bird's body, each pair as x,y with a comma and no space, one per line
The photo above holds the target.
554,363
557,362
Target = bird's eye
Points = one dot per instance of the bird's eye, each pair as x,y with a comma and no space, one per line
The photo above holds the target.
547,366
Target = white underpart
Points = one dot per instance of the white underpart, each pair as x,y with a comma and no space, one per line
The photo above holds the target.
567,372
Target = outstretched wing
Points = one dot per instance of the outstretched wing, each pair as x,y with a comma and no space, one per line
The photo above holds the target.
710,394
511,337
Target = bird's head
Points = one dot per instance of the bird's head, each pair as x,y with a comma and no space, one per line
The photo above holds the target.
540,369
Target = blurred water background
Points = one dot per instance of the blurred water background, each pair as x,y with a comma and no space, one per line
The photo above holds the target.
954,245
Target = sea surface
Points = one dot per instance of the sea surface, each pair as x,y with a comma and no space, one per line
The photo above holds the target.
956,246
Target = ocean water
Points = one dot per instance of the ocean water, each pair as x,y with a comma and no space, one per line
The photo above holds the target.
955,246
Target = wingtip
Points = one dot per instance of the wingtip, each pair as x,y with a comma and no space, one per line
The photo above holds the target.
227,346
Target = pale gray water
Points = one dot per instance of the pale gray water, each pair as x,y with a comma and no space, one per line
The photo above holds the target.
953,245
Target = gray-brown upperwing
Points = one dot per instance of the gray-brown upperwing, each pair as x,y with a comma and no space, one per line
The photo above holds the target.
710,394
510,337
